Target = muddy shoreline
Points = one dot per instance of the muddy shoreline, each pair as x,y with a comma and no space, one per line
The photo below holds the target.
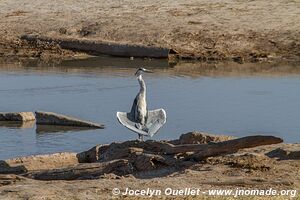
240,31
20,49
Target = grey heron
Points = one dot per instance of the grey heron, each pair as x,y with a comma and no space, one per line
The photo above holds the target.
140,119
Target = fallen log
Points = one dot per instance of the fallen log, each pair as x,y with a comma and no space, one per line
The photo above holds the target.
83,171
286,153
210,149
232,146
133,157
101,47
17,116
201,151
196,137
51,118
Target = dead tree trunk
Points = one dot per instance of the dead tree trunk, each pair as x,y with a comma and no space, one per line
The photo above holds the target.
201,151
136,156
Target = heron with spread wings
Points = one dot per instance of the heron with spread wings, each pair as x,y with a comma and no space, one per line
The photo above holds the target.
141,120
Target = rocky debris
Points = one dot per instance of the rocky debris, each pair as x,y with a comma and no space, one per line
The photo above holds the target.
285,153
252,161
17,116
200,138
50,118
42,162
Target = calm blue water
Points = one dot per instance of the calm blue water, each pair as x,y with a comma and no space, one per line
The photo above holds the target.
238,106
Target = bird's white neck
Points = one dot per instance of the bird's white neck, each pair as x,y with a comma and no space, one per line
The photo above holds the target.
142,84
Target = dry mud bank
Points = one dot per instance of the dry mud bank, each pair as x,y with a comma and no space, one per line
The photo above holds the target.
237,30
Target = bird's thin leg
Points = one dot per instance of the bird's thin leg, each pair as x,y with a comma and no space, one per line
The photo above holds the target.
141,138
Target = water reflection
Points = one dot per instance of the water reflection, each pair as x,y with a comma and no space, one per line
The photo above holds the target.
17,125
112,66
40,129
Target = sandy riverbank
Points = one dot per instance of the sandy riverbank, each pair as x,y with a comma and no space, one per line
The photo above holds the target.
232,29
273,166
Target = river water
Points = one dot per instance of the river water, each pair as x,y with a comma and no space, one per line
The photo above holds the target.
227,99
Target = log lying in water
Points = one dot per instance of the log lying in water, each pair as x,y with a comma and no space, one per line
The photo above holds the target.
17,116
107,48
50,118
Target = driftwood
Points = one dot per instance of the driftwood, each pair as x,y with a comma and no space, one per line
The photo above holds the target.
50,118
286,153
232,146
107,48
17,116
139,157
201,151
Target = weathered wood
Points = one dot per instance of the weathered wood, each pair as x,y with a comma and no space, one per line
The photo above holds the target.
136,156
147,161
107,48
50,118
201,151
92,155
83,170
232,146
17,116
286,153
197,137
5,168
229,146
123,150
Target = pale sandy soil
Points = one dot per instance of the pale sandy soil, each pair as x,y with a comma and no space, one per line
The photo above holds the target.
258,172
250,30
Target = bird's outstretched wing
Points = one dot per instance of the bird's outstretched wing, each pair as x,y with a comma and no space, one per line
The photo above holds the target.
126,120
156,119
